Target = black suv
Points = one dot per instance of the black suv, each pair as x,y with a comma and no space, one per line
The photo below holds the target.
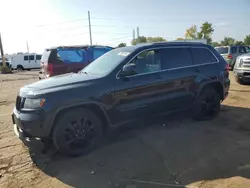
123,85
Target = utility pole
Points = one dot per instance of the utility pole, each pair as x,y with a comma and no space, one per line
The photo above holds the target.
2,54
138,32
90,34
133,34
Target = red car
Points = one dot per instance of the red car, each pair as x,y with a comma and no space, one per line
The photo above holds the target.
66,59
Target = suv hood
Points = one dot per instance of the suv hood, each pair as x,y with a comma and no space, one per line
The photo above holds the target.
61,81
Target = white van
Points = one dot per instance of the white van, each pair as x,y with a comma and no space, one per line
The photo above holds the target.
22,61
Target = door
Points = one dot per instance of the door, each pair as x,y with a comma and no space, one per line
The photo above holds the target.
206,65
25,63
179,82
32,62
38,61
135,96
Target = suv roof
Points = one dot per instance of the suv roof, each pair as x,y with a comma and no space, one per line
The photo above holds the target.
229,46
160,44
78,46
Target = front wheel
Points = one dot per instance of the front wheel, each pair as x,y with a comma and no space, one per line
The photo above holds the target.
239,80
207,105
77,132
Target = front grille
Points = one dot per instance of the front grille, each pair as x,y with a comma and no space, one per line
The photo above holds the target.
246,64
246,74
18,103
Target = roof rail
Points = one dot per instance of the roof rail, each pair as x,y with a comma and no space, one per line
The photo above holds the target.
204,41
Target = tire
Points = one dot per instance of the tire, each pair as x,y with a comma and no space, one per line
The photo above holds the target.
239,81
207,105
19,68
77,132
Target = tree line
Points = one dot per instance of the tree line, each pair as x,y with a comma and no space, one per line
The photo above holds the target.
205,32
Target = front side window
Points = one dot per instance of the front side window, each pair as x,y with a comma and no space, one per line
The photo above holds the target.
148,61
38,57
202,56
26,58
177,58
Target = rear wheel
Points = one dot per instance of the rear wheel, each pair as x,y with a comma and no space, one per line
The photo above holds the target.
19,68
77,132
207,105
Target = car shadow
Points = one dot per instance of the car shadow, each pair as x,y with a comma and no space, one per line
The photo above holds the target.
169,150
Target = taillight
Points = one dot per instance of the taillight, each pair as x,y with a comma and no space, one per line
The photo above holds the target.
227,68
226,72
229,56
50,69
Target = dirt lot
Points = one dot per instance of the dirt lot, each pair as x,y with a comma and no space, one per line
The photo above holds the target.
168,152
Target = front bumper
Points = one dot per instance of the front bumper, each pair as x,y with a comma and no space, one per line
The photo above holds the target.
29,124
242,74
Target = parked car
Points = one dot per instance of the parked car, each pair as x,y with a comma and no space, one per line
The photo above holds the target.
230,53
123,85
26,61
242,69
66,59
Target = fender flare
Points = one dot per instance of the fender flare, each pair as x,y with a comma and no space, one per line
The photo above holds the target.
67,107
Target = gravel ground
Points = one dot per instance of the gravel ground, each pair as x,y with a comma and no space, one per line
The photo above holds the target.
167,152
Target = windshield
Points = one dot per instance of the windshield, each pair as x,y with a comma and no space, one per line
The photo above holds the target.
222,50
107,62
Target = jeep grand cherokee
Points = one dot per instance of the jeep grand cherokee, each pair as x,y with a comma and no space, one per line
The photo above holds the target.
123,85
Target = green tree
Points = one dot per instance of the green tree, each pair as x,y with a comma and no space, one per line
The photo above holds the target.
227,41
140,39
247,40
191,33
214,44
206,32
180,38
155,39
122,45
239,43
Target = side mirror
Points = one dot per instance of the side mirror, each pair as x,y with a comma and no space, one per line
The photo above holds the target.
128,70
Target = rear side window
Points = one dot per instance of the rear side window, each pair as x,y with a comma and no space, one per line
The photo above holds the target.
72,55
97,52
242,49
45,56
233,50
222,50
203,56
38,57
31,57
26,58
177,57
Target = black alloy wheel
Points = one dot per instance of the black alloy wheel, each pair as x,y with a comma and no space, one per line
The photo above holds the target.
207,105
77,132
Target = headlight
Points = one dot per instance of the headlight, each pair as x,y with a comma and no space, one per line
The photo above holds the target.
33,103
241,62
